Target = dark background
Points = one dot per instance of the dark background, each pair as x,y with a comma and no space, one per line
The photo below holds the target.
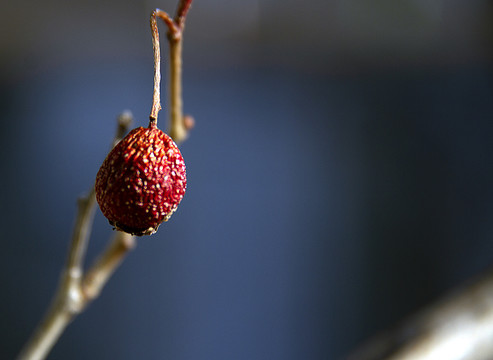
339,175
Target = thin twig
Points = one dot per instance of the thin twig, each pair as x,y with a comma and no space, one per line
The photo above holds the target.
67,301
181,12
69,298
97,276
47,332
80,235
177,129
179,124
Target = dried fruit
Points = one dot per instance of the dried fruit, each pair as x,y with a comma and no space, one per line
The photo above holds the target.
141,181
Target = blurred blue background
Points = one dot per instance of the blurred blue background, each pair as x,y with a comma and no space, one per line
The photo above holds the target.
339,174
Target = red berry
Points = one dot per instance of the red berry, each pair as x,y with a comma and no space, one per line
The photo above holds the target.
141,181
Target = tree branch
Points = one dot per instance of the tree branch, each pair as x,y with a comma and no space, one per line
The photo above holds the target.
97,276
76,290
460,327
70,298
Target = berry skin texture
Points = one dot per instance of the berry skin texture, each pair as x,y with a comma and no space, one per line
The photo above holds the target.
141,181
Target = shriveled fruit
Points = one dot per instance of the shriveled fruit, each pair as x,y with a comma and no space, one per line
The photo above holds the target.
141,181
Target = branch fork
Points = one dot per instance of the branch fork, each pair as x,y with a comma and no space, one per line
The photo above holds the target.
76,288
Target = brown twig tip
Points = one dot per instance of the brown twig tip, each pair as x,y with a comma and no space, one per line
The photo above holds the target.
181,11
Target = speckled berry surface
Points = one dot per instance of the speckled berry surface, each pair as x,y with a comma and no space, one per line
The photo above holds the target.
141,181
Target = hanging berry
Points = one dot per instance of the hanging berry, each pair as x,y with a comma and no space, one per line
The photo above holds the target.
141,181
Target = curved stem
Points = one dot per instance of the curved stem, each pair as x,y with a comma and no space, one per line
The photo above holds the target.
179,125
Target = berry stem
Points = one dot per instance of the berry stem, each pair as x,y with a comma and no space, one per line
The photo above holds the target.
178,123
156,96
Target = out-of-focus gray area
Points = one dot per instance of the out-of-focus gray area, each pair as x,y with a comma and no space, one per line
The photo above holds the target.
339,174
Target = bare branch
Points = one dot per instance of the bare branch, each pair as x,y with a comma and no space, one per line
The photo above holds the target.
81,232
69,299
177,129
75,290
97,276
458,328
